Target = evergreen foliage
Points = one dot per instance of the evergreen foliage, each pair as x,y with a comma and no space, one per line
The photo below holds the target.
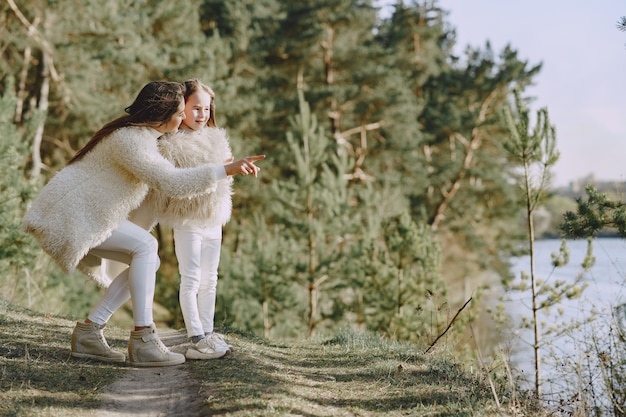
312,205
262,290
16,247
594,215
535,150
403,294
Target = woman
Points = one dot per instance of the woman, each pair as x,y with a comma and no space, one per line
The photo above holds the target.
80,217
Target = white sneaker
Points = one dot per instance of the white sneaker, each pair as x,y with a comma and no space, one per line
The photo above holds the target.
218,341
205,349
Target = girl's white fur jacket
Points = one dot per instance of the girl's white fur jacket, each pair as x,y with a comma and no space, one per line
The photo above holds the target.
86,201
186,149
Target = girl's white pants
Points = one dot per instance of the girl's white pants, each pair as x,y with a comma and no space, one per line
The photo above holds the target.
198,254
137,248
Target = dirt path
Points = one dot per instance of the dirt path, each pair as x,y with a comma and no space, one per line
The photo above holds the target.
151,392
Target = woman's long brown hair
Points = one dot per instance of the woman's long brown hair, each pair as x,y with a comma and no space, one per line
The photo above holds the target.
155,105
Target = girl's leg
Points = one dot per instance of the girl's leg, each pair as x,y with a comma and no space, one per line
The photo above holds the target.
207,292
211,246
188,247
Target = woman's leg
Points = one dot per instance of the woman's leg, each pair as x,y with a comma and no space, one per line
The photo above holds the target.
137,248
134,246
115,296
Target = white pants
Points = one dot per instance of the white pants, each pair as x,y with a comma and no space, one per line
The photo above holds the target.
137,248
198,254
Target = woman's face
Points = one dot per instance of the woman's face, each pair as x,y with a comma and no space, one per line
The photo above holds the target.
175,121
197,110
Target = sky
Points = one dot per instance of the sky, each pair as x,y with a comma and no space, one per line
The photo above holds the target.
582,82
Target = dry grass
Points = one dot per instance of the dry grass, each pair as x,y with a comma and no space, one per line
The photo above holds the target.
37,375
352,375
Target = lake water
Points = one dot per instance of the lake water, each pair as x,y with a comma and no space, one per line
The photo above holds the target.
606,289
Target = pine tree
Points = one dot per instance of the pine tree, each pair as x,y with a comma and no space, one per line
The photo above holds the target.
534,149
446,152
17,249
593,215
312,204
401,293
258,293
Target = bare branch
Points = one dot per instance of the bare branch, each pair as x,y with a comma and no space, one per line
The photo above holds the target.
470,147
449,325
359,129
41,41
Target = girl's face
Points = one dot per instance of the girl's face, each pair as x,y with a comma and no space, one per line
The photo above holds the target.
197,110
173,124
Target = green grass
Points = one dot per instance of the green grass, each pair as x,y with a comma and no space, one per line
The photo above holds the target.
354,374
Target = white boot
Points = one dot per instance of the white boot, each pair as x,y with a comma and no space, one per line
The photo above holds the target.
146,349
88,342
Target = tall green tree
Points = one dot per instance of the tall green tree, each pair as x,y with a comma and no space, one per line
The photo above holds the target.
312,203
86,60
242,29
534,148
328,46
402,282
262,290
17,249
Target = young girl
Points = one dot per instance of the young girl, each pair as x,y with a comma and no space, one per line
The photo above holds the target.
197,222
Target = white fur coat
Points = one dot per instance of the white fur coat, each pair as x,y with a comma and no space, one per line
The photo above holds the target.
186,149
86,201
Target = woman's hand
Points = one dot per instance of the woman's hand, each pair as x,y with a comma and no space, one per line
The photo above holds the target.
244,166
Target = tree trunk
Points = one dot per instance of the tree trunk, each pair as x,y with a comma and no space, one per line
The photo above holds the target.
533,279
42,108
21,87
400,283
266,319
312,309
470,149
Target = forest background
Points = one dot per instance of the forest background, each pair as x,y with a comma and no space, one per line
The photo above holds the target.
387,199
